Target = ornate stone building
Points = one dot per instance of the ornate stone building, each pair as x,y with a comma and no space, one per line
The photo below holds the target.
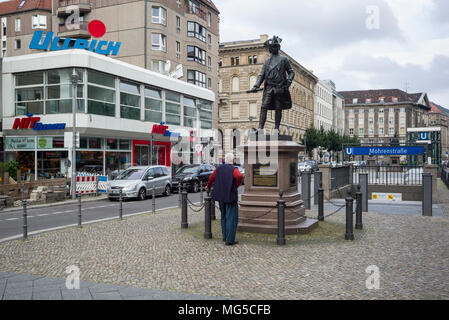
240,64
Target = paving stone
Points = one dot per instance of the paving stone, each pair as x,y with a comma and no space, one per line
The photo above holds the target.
20,284
18,294
76,294
104,288
134,292
54,294
107,295
22,278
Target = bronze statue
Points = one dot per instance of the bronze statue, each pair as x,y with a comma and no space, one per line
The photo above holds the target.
276,95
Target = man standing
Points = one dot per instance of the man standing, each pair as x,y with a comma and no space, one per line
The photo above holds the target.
227,179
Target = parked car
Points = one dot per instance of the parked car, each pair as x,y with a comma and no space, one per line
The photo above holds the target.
190,176
138,182
313,164
304,166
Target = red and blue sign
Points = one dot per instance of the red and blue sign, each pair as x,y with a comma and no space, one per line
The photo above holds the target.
31,122
162,129
96,28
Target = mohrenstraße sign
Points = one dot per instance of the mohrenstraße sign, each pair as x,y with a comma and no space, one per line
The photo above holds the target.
384,151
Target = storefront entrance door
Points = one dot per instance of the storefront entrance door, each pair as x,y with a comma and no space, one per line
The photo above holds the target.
142,155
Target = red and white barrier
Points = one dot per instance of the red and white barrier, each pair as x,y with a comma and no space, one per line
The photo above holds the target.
87,183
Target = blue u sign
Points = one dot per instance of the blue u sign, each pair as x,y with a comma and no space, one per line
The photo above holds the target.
423,136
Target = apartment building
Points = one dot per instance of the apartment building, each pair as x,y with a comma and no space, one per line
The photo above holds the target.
240,64
323,116
439,117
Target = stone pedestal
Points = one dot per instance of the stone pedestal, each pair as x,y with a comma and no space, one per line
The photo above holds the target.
258,212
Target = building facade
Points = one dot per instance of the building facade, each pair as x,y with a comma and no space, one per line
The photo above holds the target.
240,64
439,117
338,119
120,108
376,116
323,111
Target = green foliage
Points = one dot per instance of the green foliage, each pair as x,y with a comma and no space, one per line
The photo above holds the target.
11,167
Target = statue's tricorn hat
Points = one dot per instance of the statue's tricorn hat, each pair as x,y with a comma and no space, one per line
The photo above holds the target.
273,42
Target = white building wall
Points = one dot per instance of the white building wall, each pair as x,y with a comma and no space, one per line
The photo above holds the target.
323,106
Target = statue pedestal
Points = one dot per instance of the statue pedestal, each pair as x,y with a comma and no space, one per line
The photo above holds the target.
258,212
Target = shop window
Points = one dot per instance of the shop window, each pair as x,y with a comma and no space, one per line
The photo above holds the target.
125,144
153,105
129,100
95,143
190,113
101,79
117,162
172,108
90,161
111,144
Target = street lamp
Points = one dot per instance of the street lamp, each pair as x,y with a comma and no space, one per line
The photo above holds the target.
75,79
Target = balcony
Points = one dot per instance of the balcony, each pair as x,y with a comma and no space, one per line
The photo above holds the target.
196,10
80,31
85,6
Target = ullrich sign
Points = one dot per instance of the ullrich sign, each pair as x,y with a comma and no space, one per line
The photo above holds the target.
96,29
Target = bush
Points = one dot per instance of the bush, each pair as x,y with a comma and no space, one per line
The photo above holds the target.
11,167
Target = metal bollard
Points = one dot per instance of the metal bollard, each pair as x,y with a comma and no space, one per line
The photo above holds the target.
79,210
427,194
184,224
349,235
207,218
317,184
358,208
305,189
320,203
179,193
363,181
153,199
201,192
120,210
24,216
212,207
281,220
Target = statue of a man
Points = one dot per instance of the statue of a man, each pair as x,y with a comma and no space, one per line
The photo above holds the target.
278,76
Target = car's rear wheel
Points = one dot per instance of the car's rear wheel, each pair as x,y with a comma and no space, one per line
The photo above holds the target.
142,194
167,190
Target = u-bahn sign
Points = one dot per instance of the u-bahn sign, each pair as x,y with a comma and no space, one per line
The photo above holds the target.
383,151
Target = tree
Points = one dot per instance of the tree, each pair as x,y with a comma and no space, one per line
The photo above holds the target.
310,140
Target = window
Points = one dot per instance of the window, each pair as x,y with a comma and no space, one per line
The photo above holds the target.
29,99
391,120
253,109
368,100
402,130
235,61
361,131
21,4
159,42
159,15
172,108
205,108
371,121
196,54
59,91
235,84
17,25
394,99
391,131
178,24
196,77
39,22
209,82
355,100
381,120
209,40
153,105
158,66
178,49
402,120
351,121
129,100
351,111
196,30
209,19
351,131
381,111
190,112
252,81
235,111
371,131
100,94
402,110
17,44
381,131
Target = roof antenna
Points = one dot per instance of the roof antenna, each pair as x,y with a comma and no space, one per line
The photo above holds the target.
406,86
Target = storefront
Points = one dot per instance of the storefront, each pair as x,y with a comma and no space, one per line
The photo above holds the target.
118,107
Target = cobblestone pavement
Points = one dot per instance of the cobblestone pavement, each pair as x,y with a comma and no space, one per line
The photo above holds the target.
152,251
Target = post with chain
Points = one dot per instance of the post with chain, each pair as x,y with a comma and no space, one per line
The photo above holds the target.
281,220
79,210
207,217
179,193
153,199
317,184
427,194
358,208
320,203
184,224
24,218
120,211
349,235
201,192
363,181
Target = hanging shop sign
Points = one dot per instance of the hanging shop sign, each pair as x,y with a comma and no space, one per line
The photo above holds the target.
30,122
96,29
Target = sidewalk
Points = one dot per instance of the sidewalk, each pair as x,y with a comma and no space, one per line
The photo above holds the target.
28,287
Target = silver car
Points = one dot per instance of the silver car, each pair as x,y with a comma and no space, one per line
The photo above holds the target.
138,182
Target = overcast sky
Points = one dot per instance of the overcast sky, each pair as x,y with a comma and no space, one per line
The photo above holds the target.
407,46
